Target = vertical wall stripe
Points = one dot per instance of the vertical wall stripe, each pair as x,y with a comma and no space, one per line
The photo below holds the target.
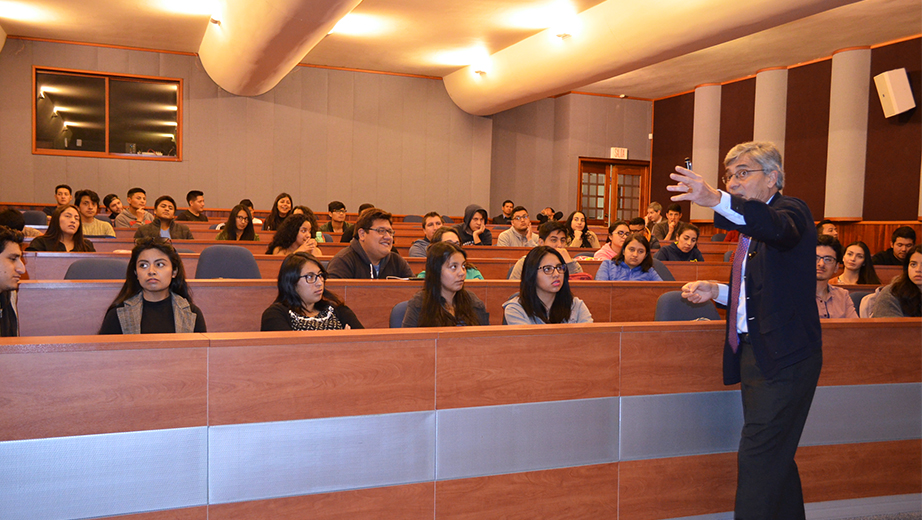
771,101
848,133
706,142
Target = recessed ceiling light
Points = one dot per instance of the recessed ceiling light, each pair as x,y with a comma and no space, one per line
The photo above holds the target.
357,24
24,12
194,7
540,16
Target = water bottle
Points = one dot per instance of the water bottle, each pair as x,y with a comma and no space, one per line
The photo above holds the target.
319,237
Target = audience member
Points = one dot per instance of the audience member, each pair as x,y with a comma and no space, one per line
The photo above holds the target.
506,216
432,221
618,232
443,302
294,236
473,230
316,234
369,256
550,234
64,233
654,216
13,219
578,232
634,263
134,215
11,270
666,231
62,193
350,233
87,202
196,211
155,298
858,266
827,227
901,241
520,234
549,215
544,293
337,223
303,301
685,248
113,205
447,234
249,204
831,301
638,225
164,225
281,208
239,225
903,297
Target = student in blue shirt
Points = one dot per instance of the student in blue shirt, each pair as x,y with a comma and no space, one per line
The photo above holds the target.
634,263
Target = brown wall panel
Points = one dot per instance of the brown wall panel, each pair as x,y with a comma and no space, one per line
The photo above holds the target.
891,184
83,393
843,364
846,471
677,486
526,366
737,115
313,380
673,126
409,502
806,134
581,492
664,361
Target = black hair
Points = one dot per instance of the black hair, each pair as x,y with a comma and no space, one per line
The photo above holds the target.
59,186
246,202
831,242
433,312
866,273
584,240
164,198
368,216
192,195
647,263
507,201
8,234
335,205
230,227
437,236
545,230
904,232
54,232
315,227
637,221
518,209
108,200
132,286
528,289
820,224
906,291
615,225
9,324
686,226
366,205
287,233
274,220
674,207
132,191
94,197
13,219
290,273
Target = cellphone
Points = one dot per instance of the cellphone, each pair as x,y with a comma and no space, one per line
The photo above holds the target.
688,164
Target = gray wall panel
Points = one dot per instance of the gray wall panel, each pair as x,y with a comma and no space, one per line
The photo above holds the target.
101,475
266,460
865,413
492,440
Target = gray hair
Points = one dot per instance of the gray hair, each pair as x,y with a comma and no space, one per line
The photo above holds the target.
762,152
655,206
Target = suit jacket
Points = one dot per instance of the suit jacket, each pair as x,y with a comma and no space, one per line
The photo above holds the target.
780,274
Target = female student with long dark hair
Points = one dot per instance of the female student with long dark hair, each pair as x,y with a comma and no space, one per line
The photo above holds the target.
303,301
618,232
281,209
578,233
634,263
155,297
858,266
64,233
239,225
294,236
903,297
444,302
544,292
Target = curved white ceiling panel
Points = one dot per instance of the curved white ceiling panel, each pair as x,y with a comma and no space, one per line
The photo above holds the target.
258,42
611,38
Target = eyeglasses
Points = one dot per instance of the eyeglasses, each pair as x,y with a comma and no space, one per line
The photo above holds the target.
520,217
828,260
383,231
622,233
244,218
741,175
313,277
338,211
549,269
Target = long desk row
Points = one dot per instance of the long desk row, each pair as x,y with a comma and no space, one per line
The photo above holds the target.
607,420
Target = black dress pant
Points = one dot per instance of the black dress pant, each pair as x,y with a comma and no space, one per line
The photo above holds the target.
774,413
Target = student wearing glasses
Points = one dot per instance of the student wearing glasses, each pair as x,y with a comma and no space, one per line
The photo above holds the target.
239,225
369,255
618,232
303,301
443,302
520,234
544,293
337,223
551,234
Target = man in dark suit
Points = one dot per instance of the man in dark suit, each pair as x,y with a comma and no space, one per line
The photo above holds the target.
773,345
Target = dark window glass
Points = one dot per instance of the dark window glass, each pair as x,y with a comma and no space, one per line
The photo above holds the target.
70,112
142,117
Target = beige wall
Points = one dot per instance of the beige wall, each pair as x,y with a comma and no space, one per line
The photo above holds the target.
397,142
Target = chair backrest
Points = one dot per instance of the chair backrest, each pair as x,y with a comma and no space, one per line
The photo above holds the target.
867,303
413,218
663,271
97,269
226,261
397,314
728,256
327,237
447,220
718,237
34,218
672,307
857,296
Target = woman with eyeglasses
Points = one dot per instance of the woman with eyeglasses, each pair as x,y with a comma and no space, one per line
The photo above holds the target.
155,298
617,234
443,302
294,236
578,234
239,225
544,292
303,301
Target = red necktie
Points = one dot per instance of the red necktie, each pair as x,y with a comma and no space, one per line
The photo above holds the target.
736,278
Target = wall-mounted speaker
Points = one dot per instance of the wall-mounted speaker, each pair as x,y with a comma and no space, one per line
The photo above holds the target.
894,91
